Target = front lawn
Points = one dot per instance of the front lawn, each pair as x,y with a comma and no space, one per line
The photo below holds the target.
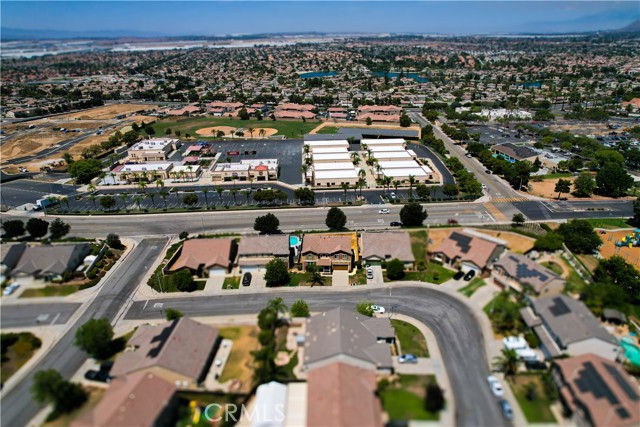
435,273
553,266
17,349
473,286
411,339
50,291
405,399
608,223
504,313
532,398
419,242
231,282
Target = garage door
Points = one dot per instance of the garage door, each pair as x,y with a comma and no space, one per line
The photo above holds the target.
217,271
250,268
467,267
341,267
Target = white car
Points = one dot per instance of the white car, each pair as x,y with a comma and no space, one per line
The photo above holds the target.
384,211
10,289
496,387
484,186
377,309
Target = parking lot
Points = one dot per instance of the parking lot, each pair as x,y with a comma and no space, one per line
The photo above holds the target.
491,134
22,191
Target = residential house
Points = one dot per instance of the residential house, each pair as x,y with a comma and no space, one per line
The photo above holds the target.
341,335
566,326
516,271
379,113
469,250
376,248
597,392
139,399
254,252
11,254
220,108
342,395
50,262
185,111
295,111
204,257
328,252
180,351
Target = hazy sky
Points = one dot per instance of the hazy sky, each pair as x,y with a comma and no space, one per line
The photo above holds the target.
235,17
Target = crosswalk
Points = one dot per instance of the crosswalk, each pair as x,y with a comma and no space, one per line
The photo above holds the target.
509,199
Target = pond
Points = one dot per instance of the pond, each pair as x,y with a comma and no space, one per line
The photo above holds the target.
318,74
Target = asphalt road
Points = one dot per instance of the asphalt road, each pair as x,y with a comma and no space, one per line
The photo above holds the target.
17,406
15,316
454,325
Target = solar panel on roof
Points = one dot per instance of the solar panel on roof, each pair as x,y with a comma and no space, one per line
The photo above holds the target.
590,381
623,413
559,307
624,385
462,241
524,271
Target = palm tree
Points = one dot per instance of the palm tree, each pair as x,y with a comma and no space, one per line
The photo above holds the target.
251,179
152,196
137,200
182,174
65,200
233,192
355,157
277,305
507,362
220,190
123,197
362,173
190,169
93,199
361,183
303,170
262,132
306,149
386,181
143,186
173,175
345,187
396,183
164,193
159,183
205,191
378,169
250,129
412,180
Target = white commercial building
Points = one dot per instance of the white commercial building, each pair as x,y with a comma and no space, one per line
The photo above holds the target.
392,155
420,174
155,149
386,148
383,142
143,171
328,143
335,178
328,150
331,157
332,166
404,164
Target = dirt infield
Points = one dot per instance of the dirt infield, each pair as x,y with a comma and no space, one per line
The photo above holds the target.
229,131
608,248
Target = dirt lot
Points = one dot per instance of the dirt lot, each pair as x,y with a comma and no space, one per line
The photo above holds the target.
546,188
516,242
608,248
239,366
107,111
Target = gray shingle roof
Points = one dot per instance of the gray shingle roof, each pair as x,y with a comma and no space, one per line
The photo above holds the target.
526,270
570,320
386,246
56,259
256,246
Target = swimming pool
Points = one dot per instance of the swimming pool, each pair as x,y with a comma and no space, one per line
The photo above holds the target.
631,352
294,241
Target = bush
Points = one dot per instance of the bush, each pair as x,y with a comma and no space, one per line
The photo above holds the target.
434,399
13,228
172,314
183,281
336,219
412,215
113,241
300,308
364,308
395,269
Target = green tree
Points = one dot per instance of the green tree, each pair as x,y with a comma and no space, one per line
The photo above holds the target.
413,214
243,114
305,195
579,236
549,242
190,199
450,190
613,180
422,191
173,314
37,227
395,269
85,170
107,202
277,273
183,281
507,362
405,121
267,224
58,228
584,185
113,241
636,212
95,338
562,186
49,387
336,219
68,158
369,122
300,308
364,308
434,398
13,228
518,219
617,271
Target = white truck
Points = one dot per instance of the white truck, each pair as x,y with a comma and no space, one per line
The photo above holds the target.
44,203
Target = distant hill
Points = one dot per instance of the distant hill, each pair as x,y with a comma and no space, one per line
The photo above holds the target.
634,27
8,34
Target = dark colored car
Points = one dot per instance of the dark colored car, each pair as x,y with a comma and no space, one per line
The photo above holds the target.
452,221
458,275
469,275
100,376
395,224
246,279
506,409
487,171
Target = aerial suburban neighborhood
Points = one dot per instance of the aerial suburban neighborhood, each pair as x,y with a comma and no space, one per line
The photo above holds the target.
408,214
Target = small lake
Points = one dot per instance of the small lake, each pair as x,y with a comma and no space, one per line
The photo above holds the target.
318,74
393,75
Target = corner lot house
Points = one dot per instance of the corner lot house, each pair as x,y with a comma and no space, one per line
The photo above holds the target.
515,271
346,336
140,399
328,251
204,257
254,252
180,351
566,325
377,248
469,250
597,392
50,262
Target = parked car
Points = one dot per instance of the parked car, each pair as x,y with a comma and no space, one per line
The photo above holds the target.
392,195
452,221
484,186
487,171
496,387
246,279
369,275
407,358
10,289
100,376
395,224
459,275
384,211
469,275
506,409
378,309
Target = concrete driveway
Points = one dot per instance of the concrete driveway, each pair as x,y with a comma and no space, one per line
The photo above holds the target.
423,367
378,277
257,280
340,278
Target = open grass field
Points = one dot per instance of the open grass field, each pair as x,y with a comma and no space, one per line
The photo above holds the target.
405,399
328,130
608,223
239,366
190,125
17,349
411,339
535,410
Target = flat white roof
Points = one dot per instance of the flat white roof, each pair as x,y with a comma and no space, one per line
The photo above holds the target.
393,155
346,173
386,148
399,164
221,167
383,141
258,162
194,168
139,167
405,172
325,150
331,157
327,143
333,166
413,153
151,144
